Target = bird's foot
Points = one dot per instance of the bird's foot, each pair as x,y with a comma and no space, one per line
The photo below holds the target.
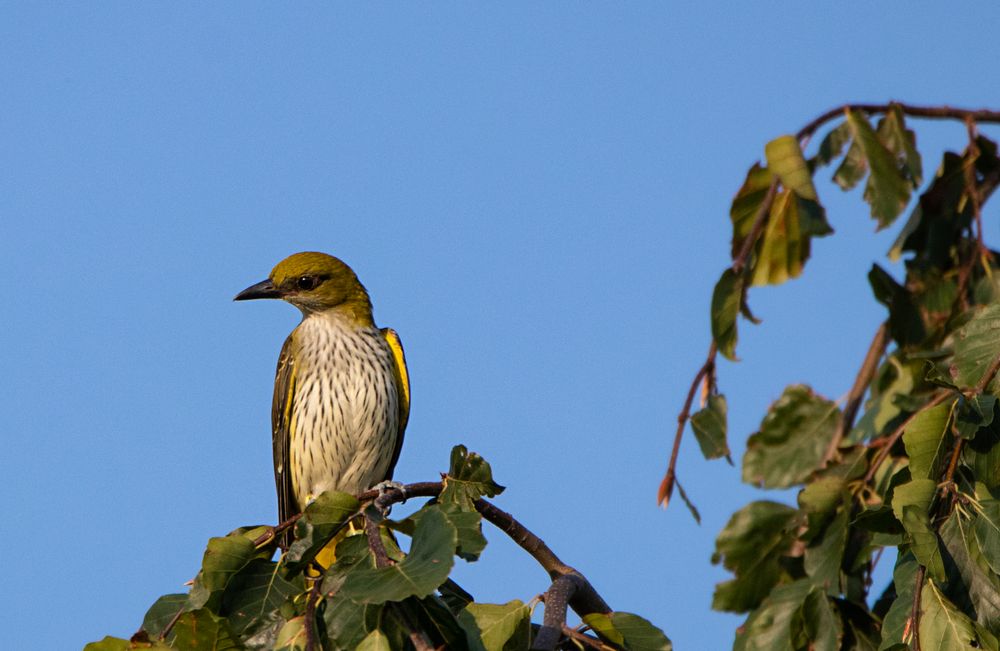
384,489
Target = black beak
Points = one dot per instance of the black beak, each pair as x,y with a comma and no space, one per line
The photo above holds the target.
263,289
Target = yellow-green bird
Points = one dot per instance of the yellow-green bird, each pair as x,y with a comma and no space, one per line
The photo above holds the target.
341,392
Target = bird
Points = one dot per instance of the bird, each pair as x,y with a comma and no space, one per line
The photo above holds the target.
341,389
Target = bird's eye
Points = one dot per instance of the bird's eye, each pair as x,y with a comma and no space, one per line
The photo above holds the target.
307,282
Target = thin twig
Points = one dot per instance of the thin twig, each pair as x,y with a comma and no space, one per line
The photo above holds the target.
991,372
857,393
592,642
667,485
930,112
938,398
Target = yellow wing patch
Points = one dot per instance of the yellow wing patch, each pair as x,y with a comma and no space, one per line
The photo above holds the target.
402,390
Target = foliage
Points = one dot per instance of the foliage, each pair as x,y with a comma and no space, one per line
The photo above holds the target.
374,596
918,472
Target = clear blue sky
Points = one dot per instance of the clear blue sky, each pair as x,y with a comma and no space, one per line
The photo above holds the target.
536,196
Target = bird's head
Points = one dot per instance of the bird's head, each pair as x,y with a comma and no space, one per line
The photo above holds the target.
314,282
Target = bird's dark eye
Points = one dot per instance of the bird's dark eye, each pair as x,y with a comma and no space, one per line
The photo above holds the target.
307,282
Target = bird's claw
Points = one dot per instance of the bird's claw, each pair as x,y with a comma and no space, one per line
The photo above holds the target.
384,488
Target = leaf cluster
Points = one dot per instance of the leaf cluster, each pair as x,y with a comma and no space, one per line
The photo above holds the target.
918,471
372,596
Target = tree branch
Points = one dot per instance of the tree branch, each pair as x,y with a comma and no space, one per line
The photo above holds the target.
929,112
857,393
554,620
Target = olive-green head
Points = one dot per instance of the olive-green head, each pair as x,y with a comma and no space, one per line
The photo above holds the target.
314,282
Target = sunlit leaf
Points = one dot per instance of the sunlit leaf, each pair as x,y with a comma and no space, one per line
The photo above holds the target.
944,628
500,627
747,202
901,142
924,541
784,158
223,558
630,631
926,439
162,612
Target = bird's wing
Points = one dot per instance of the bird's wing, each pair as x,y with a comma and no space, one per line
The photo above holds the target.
281,431
402,391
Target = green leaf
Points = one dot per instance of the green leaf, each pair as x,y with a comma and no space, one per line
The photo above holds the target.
253,599
500,627
223,558
709,426
823,626
973,585
469,478
894,624
926,440
726,299
943,627
200,630
902,143
747,203
854,166
893,379
630,631
987,531
785,244
751,546
778,623
375,641
924,541
974,414
887,190
825,554
470,474
793,439
346,623
162,612
917,492
977,344
832,145
109,644
419,574
320,522
784,158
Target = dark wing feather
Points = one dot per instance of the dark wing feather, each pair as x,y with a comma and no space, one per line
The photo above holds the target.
402,391
281,431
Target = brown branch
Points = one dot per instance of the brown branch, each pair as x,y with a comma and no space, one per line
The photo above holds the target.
375,543
991,372
309,618
857,393
929,112
417,636
938,398
556,599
